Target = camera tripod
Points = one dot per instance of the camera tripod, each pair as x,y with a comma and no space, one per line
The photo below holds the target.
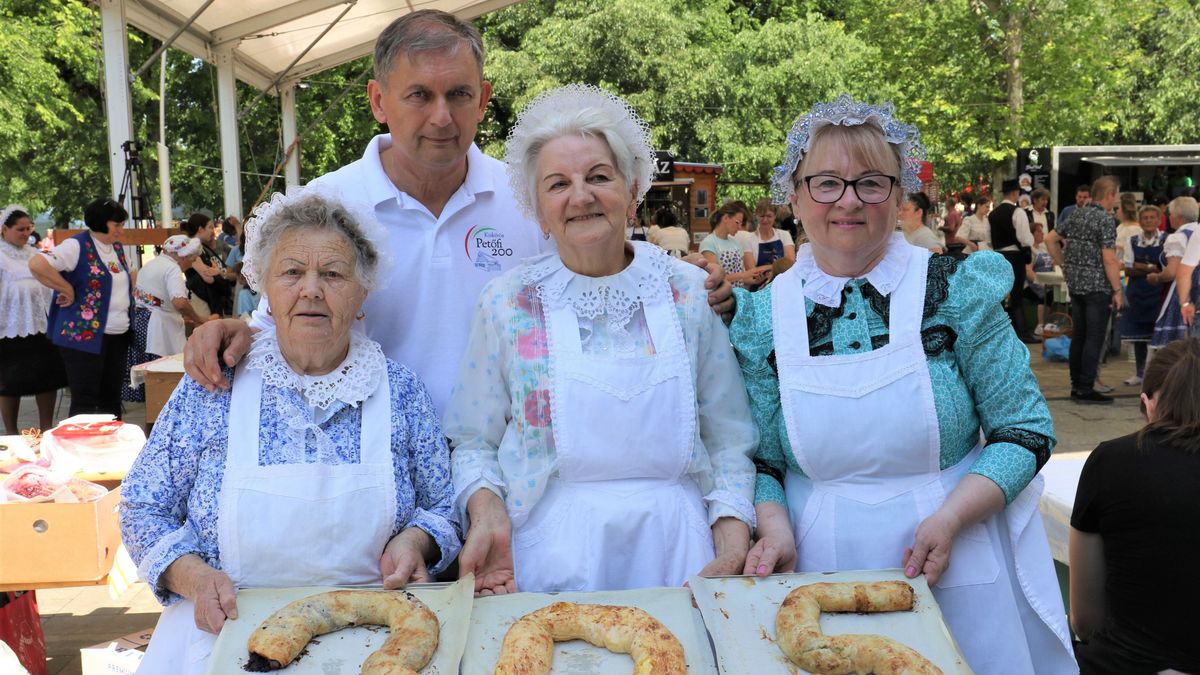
134,186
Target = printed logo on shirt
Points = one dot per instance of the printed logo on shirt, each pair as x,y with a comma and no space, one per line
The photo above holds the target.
485,246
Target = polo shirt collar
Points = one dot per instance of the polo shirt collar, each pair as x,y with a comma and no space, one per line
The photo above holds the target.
379,188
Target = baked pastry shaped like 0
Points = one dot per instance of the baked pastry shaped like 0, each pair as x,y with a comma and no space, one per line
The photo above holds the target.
414,638
798,630
528,647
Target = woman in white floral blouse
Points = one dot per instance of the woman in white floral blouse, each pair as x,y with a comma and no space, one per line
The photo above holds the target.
601,436
323,464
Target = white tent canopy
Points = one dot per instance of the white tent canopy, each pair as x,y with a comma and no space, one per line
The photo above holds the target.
269,44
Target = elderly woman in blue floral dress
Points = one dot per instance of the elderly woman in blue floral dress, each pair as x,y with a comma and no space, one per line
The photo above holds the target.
873,367
324,464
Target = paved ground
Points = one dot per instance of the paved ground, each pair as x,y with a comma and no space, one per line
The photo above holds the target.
74,618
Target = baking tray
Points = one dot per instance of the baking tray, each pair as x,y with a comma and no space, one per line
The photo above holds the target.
345,650
493,616
739,613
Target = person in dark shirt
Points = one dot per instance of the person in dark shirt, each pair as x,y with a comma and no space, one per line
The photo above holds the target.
1135,532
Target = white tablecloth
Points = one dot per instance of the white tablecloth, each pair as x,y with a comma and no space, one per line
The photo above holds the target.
1062,477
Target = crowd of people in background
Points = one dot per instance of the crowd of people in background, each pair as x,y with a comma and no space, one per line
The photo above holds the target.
79,314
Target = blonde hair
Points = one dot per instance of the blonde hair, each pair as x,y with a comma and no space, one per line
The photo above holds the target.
864,143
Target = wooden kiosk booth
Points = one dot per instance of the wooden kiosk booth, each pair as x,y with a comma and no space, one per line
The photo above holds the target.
689,189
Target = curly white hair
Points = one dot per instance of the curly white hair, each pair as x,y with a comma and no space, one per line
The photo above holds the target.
578,109
316,206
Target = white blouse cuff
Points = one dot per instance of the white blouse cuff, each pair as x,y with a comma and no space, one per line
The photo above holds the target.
464,496
723,503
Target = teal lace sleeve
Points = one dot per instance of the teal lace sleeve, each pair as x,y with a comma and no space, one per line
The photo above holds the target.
754,345
1012,412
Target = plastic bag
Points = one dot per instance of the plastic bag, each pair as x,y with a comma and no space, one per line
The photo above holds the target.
32,483
92,445
1057,349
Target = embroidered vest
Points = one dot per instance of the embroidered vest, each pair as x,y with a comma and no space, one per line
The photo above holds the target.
81,325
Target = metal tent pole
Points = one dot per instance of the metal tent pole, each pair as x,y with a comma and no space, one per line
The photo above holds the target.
118,109
228,122
287,102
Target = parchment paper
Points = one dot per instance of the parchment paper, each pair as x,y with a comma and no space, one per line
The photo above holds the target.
345,650
739,613
493,616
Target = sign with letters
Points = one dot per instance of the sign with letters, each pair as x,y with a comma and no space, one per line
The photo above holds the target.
1033,169
664,166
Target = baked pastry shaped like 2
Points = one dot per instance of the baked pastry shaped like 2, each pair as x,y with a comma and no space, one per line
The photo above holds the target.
798,630
413,640
529,645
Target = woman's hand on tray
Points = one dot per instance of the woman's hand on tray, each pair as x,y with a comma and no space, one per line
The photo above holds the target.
775,549
209,589
403,560
488,550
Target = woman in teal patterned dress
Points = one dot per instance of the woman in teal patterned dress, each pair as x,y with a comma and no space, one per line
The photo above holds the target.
900,424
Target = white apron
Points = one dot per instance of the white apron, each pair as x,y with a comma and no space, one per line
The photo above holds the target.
290,524
872,482
621,512
165,331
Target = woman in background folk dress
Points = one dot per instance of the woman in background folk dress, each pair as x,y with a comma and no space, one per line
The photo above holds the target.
29,364
161,307
92,308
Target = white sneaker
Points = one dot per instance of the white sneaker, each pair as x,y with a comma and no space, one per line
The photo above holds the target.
1037,332
1133,381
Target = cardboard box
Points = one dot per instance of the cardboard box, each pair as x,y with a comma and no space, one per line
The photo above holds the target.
159,387
121,656
58,542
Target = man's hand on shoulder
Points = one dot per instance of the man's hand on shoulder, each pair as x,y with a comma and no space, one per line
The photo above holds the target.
720,292
213,346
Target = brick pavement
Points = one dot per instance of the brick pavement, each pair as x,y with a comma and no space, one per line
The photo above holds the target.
74,618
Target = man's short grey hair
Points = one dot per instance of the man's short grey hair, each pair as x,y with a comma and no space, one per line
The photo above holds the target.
1105,186
426,30
579,110
314,211
1186,208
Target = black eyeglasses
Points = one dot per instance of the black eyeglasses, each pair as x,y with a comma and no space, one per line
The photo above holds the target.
827,189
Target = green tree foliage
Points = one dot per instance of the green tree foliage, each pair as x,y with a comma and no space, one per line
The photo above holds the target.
1163,104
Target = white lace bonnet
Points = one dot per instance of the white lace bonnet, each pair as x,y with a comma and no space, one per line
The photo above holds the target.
847,112
11,209
361,217
564,103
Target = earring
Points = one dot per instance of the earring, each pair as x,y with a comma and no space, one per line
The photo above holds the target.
546,234
269,310
361,314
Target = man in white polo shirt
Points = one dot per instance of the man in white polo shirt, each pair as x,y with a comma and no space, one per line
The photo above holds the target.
447,207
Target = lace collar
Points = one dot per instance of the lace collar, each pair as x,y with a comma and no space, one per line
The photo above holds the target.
351,382
18,253
825,289
618,296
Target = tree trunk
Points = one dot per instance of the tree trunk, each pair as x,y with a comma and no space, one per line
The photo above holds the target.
1013,46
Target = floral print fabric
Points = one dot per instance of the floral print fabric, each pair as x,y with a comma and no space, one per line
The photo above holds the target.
170,499
979,370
